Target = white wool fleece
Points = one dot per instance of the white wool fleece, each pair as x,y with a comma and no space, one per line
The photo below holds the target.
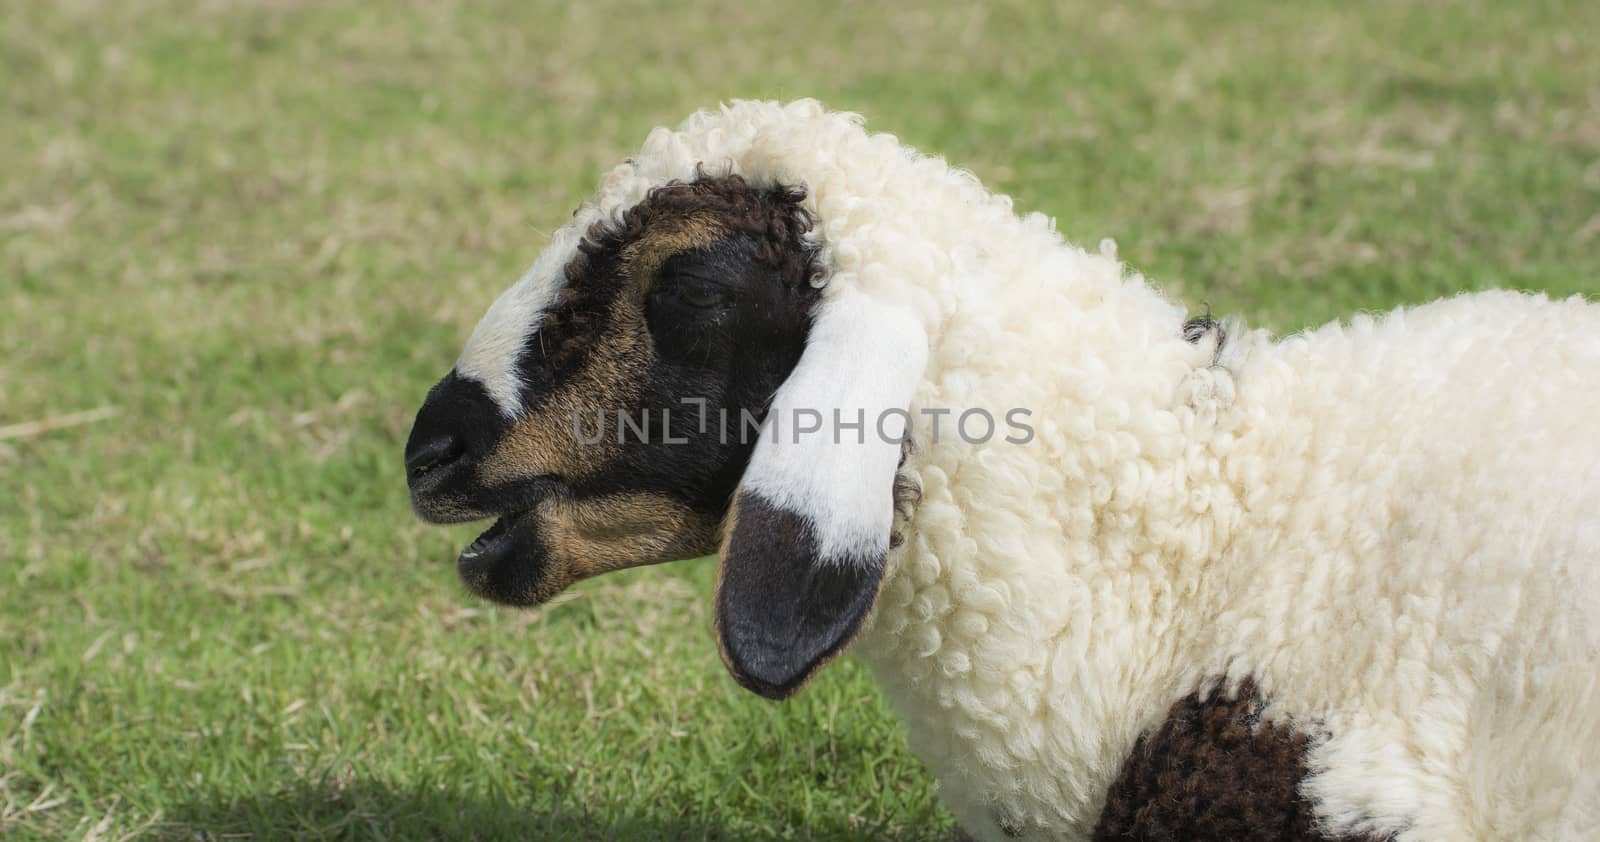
1391,526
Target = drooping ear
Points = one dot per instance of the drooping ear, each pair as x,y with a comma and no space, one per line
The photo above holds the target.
805,541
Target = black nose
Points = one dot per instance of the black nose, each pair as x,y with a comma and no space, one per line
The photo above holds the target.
432,455
456,425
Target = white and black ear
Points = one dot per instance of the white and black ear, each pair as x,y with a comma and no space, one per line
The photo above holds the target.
806,539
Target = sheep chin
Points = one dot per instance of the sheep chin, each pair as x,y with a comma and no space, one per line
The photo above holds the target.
506,563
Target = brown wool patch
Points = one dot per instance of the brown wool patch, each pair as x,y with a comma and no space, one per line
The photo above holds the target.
1215,770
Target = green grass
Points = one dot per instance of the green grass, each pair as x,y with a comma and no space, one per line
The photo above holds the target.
262,229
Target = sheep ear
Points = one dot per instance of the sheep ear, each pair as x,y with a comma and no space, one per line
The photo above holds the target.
805,542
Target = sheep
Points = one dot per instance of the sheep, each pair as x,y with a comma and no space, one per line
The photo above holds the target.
1209,585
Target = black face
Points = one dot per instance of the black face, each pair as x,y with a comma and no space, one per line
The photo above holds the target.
644,387
726,328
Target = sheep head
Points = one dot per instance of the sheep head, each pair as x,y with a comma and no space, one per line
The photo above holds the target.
615,408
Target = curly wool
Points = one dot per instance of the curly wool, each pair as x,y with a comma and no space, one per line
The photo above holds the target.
1389,527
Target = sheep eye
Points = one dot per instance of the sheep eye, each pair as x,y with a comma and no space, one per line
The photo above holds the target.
699,294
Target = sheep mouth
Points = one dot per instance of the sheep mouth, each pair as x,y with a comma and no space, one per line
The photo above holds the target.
504,564
507,563
493,540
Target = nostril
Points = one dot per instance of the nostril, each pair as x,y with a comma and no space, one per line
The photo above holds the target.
435,454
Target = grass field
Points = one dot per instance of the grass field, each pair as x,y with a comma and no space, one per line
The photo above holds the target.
260,230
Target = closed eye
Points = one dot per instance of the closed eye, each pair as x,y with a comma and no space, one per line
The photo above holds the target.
694,290
700,294
704,282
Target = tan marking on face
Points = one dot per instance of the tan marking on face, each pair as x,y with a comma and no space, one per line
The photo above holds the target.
543,442
591,537
643,257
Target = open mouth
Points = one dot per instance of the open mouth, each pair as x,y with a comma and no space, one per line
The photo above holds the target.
505,563
493,539
503,535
